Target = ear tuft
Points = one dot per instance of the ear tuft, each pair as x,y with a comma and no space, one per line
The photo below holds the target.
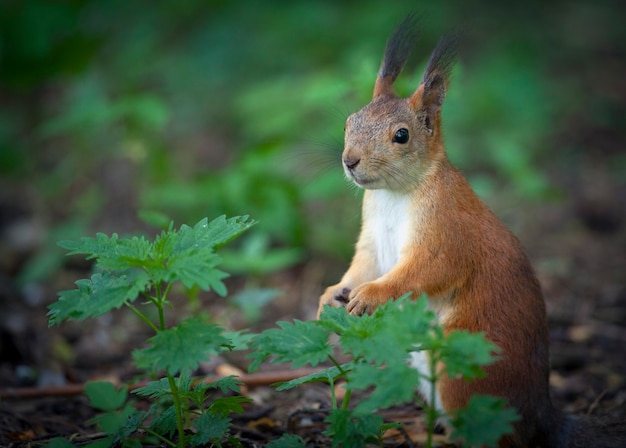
397,51
430,94
443,57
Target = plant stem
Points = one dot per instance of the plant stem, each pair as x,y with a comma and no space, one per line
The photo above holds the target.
347,395
160,299
167,291
178,409
160,437
333,397
334,361
346,399
142,316
432,413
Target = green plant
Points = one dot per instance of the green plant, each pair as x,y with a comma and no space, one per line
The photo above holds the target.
130,268
398,328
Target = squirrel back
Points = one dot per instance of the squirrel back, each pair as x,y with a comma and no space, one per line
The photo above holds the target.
425,231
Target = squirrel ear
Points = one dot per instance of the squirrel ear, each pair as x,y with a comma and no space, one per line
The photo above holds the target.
428,99
431,92
397,51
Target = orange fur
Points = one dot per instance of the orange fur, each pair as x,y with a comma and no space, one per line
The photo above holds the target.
425,231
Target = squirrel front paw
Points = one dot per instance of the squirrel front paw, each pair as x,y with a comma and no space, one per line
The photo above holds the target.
365,298
335,296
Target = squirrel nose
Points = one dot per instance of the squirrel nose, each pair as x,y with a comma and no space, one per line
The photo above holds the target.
351,163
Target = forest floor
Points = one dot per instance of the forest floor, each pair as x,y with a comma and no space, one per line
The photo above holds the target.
577,246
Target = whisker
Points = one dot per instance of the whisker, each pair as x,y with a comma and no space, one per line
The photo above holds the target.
310,161
392,176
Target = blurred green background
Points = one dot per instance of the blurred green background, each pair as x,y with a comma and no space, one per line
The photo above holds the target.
117,116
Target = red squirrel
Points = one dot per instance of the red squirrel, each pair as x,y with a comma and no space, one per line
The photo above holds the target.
425,231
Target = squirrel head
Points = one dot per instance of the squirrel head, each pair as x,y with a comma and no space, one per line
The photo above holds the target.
392,143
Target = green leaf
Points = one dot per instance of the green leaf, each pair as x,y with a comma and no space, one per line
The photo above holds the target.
225,406
210,427
133,423
240,340
287,441
212,234
181,348
358,341
154,389
299,342
115,421
188,255
112,252
226,384
196,267
483,421
465,354
350,429
327,375
337,320
393,384
98,295
105,396
198,394
58,442
165,422
411,323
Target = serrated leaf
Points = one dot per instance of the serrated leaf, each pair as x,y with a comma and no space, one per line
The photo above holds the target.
348,428
113,422
240,340
198,394
196,267
225,406
287,441
226,384
133,423
111,252
358,341
188,255
98,295
204,236
165,422
337,320
222,230
154,389
210,427
393,384
182,348
299,342
464,354
327,375
413,316
483,421
104,396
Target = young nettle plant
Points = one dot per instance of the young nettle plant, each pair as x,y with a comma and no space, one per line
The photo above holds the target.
128,269
377,347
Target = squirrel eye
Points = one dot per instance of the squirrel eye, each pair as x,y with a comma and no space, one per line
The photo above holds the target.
402,136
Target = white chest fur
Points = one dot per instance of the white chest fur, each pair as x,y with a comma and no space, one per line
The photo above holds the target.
388,220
